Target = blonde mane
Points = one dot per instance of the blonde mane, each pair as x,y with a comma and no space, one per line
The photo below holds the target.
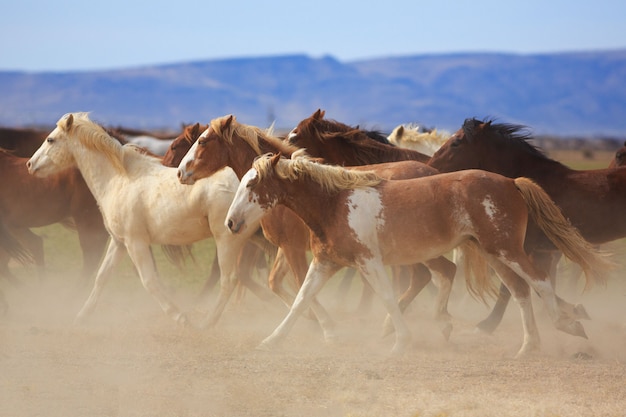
250,135
409,136
95,137
332,178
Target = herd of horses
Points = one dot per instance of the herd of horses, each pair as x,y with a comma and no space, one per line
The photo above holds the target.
351,197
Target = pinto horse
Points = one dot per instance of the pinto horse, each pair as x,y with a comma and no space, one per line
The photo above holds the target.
143,203
359,220
65,197
588,198
339,144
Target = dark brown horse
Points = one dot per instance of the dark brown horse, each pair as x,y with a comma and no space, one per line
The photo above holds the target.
27,201
588,198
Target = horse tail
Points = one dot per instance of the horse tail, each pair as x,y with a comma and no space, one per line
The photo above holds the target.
563,234
478,277
177,254
13,247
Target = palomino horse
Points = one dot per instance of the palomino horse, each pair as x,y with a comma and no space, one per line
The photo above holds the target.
143,203
417,138
359,220
339,144
588,198
64,195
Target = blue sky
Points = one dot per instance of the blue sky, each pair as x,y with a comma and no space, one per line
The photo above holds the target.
44,35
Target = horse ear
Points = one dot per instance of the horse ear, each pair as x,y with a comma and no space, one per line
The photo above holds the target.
226,123
400,132
319,114
69,121
195,129
275,158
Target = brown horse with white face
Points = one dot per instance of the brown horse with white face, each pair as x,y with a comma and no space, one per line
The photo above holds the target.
359,220
588,198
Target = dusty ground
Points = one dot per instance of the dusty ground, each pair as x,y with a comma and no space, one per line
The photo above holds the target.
129,359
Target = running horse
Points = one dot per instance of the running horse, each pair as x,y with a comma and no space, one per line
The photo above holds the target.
143,203
588,198
230,143
359,220
340,144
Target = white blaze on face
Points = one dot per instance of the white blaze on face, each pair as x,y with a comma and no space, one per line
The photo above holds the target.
365,216
291,135
244,207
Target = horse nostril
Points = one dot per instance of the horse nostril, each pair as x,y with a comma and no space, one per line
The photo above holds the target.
179,174
28,164
230,224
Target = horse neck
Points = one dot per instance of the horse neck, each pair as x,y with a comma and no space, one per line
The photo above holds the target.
242,156
311,203
97,170
522,164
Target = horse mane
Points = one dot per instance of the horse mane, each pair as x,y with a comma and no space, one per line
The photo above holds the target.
332,178
188,132
365,149
510,135
96,138
252,135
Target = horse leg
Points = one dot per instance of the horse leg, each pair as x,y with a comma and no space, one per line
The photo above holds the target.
141,255
317,275
561,312
114,254
248,259
420,276
5,271
443,276
213,279
93,238
494,318
521,294
374,272
34,244
279,270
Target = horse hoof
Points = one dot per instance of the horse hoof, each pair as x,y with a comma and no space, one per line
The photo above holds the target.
572,327
446,331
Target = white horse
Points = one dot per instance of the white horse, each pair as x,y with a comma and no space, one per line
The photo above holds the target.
415,137
155,145
143,203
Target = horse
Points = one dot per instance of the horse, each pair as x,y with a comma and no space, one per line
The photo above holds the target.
230,143
66,199
588,198
620,157
252,252
152,144
426,141
358,219
339,144
21,142
143,203
315,134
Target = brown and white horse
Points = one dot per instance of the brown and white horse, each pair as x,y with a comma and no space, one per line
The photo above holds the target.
359,220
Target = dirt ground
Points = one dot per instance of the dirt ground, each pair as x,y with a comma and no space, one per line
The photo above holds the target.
129,359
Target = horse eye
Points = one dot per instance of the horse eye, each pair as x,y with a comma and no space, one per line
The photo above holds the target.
251,183
50,140
456,142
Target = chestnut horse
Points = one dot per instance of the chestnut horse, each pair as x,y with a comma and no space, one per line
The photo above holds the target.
143,203
27,201
359,220
21,141
588,198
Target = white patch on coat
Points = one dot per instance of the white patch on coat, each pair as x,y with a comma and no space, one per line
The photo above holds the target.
490,207
365,216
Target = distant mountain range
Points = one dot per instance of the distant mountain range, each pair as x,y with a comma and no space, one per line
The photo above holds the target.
566,94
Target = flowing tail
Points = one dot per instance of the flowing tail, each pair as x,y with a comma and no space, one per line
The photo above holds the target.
560,231
13,247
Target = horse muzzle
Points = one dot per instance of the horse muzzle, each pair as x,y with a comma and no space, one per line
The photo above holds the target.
234,226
